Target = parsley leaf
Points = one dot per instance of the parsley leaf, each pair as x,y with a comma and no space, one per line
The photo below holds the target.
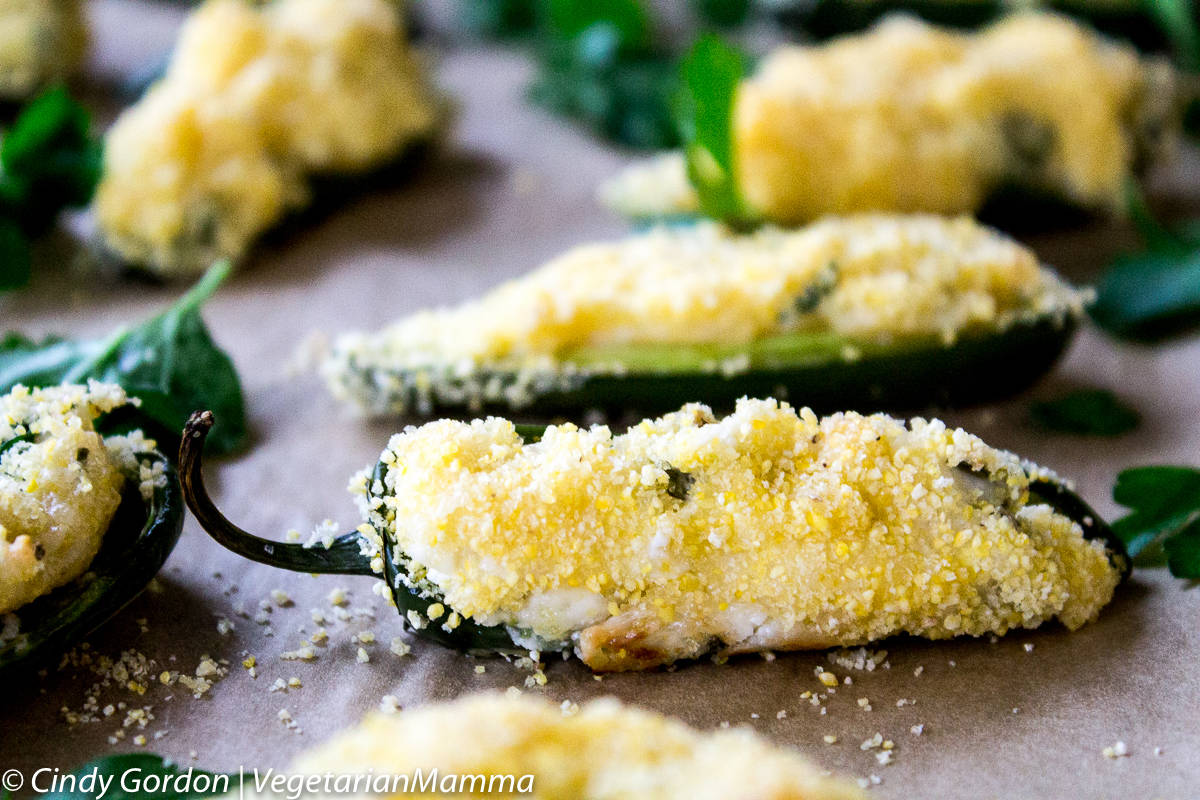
1175,18
1155,292
723,13
169,361
15,268
498,19
48,161
597,63
1089,412
704,113
1165,518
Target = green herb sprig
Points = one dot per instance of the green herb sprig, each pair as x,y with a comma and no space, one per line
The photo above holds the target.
1164,522
599,61
1154,292
170,361
1086,412
704,114
48,161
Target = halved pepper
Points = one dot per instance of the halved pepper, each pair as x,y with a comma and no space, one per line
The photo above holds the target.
869,312
690,535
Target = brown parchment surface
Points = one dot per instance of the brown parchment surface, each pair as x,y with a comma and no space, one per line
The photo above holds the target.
512,188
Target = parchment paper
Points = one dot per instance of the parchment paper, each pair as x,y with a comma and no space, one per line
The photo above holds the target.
1028,716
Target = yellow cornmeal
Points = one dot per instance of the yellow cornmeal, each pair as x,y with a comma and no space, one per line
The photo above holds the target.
872,278
602,751
41,43
910,117
767,529
59,492
255,100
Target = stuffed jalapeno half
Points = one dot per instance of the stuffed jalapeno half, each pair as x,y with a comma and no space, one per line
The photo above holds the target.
86,518
769,529
908,117
868,312
486,743
258,101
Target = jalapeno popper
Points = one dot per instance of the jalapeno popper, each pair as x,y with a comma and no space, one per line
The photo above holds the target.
487,744
909,117
89,511
60,484
255,100
41,43
876,311
769,529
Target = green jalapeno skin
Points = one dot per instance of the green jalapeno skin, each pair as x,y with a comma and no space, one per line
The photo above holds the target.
139,538
826,377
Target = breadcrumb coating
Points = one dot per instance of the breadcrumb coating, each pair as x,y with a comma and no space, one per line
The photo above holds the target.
910,117
870,278
59,490
768,529
603,751
254,101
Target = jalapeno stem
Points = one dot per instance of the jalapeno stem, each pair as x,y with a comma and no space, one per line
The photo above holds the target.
343,557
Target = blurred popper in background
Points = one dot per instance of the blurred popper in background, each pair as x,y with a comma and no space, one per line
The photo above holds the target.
911,117
602,750
257,100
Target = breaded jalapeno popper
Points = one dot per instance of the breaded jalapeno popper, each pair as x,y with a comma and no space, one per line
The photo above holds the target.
769,529
256,100
487,744
909,117
60,484
89,511
42,42
867,312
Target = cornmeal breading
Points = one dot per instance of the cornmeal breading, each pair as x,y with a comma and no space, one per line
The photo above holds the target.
255,100
60,484
869,278
41,43
605,751
768,529
909,117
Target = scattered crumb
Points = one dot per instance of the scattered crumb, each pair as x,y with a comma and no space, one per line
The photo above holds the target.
860,659
1115,751
389,704
304,653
